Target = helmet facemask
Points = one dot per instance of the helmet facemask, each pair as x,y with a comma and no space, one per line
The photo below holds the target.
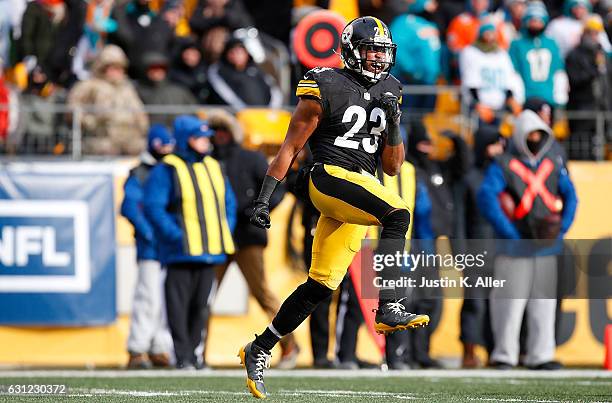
354,56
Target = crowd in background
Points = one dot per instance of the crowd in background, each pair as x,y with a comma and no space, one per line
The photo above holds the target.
121,56
115,58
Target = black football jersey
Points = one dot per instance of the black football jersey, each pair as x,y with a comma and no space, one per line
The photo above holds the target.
350,134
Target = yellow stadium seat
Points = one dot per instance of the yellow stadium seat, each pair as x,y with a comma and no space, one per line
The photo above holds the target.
264,129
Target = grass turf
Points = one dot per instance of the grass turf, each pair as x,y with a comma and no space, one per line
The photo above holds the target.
382,389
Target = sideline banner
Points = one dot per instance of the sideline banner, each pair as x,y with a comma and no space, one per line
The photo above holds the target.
57,246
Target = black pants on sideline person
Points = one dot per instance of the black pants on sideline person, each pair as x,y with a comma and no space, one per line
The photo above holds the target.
188,287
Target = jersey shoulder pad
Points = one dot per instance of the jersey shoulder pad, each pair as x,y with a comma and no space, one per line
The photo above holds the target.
315,81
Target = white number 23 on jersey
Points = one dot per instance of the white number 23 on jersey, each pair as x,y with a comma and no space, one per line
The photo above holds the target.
370,145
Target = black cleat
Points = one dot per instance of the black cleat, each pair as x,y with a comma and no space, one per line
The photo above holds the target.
393,316
255,359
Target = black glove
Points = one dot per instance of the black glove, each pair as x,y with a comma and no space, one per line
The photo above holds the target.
260,217
390,104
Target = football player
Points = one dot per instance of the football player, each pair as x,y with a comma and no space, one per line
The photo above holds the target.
350,117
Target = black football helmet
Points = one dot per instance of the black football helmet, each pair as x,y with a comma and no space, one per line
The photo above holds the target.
367,33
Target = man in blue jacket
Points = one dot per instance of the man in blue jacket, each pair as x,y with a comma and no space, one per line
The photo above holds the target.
149,341
192,208
545,204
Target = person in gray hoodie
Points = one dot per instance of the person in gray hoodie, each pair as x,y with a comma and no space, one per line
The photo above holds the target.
545,204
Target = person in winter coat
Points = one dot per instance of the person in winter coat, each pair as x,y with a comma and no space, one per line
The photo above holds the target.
50,31
566,30
192,209
155,89
537,59
140,30
545,204
590,77
188,69
417,60
488,79
149,341
475,323
238,82
118,123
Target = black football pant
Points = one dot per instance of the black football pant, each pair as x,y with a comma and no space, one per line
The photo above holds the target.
187,287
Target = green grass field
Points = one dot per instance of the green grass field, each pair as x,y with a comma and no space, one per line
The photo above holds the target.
425,386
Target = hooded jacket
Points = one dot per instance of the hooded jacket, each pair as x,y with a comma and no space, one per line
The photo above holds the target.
132,205
498,179
160,193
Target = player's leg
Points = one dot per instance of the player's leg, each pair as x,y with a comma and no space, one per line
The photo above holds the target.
335,244
360,199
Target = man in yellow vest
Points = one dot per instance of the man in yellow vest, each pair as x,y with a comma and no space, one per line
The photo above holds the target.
193,210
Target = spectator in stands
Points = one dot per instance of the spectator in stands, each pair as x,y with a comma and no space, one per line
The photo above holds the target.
590,77
238,82
139,31
514,10
545,218
149,341
418,53
213,21
156,89
118,122
475,323
537,60
566,30
189,70
489,82
209,14
9,113
98,24
464,29
50,30
246,171
43,129
192,239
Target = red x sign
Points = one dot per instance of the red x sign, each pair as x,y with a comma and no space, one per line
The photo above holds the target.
535,187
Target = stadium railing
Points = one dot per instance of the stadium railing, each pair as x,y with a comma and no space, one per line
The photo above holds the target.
449,114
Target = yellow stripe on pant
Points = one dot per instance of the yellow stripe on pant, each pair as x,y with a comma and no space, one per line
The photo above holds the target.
342,226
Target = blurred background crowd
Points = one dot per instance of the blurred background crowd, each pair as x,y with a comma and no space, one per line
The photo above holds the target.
128,64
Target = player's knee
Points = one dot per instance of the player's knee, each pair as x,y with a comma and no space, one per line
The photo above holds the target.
316,292
396,224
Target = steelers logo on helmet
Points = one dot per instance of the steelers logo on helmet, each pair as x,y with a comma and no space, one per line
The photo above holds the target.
367,48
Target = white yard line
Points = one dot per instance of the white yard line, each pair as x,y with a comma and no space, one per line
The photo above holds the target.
301,373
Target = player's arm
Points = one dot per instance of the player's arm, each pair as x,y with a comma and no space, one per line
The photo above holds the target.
393,153
303,123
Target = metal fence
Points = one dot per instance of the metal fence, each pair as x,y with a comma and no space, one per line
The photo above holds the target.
56,129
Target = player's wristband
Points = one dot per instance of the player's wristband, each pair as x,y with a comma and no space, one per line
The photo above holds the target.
267,188
394,136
